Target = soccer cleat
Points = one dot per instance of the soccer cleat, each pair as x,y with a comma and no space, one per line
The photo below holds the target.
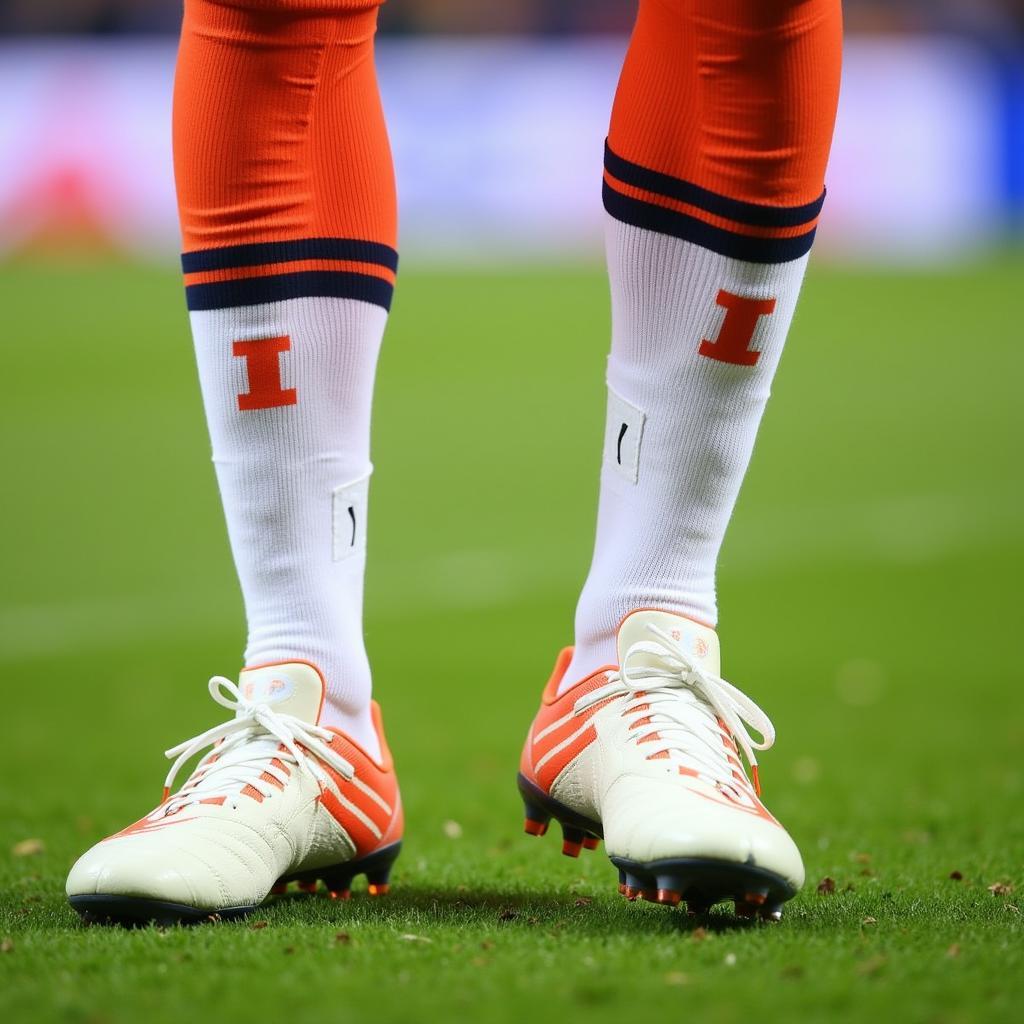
647,757
278,799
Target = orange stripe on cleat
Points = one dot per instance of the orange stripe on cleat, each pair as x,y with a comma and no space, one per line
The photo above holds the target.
341,894
307,886
535,828
571,848
377,890
591,843
669,897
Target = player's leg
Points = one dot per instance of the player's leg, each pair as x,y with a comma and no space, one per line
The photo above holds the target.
287,205
714,177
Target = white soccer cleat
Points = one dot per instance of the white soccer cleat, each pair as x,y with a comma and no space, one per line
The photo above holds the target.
647,756
278,799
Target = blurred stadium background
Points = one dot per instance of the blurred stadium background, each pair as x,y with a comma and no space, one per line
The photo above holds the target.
870,584
498,112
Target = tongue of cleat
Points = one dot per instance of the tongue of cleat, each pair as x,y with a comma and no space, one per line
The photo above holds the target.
699,641
290,688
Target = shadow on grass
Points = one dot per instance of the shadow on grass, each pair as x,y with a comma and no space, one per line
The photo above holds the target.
461,907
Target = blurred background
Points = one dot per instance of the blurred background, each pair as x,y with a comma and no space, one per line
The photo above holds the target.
869,584
491,105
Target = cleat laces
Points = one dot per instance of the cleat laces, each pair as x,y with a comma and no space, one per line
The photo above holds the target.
683,703
246,748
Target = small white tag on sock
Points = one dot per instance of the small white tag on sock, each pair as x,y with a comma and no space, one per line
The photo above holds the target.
349,518
623,433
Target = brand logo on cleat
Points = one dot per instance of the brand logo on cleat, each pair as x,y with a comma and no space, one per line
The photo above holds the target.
697,644
266,690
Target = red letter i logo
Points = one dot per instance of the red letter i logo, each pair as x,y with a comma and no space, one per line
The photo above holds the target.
733,342
263,366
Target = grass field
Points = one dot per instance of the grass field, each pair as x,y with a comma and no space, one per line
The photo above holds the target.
870,593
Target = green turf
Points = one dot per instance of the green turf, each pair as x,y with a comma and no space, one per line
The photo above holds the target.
870,592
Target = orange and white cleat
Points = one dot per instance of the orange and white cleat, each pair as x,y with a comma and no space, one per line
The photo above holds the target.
647,757
278,799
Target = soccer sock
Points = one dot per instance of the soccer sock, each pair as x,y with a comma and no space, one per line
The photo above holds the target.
286,196
714,173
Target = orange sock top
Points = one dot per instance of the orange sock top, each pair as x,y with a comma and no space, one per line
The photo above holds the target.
284,174
722,123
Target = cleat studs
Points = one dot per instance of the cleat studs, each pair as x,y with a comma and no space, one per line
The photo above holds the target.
622,888
630,892
307,886
745,910
649,895
771,912
377,880
669,897
697,907
537,819
591,842
278,888
340,894
572,840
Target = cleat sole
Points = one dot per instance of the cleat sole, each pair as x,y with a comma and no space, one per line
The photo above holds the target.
699,881
338,878
703,882
140,912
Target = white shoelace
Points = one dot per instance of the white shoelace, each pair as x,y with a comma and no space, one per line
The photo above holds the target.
245,748
685,704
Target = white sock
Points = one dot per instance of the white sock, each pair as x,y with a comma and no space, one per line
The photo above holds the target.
293,472
681,424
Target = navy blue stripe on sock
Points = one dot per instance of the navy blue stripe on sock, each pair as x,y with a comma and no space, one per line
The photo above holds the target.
753,214
261,253
726,243
251,291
